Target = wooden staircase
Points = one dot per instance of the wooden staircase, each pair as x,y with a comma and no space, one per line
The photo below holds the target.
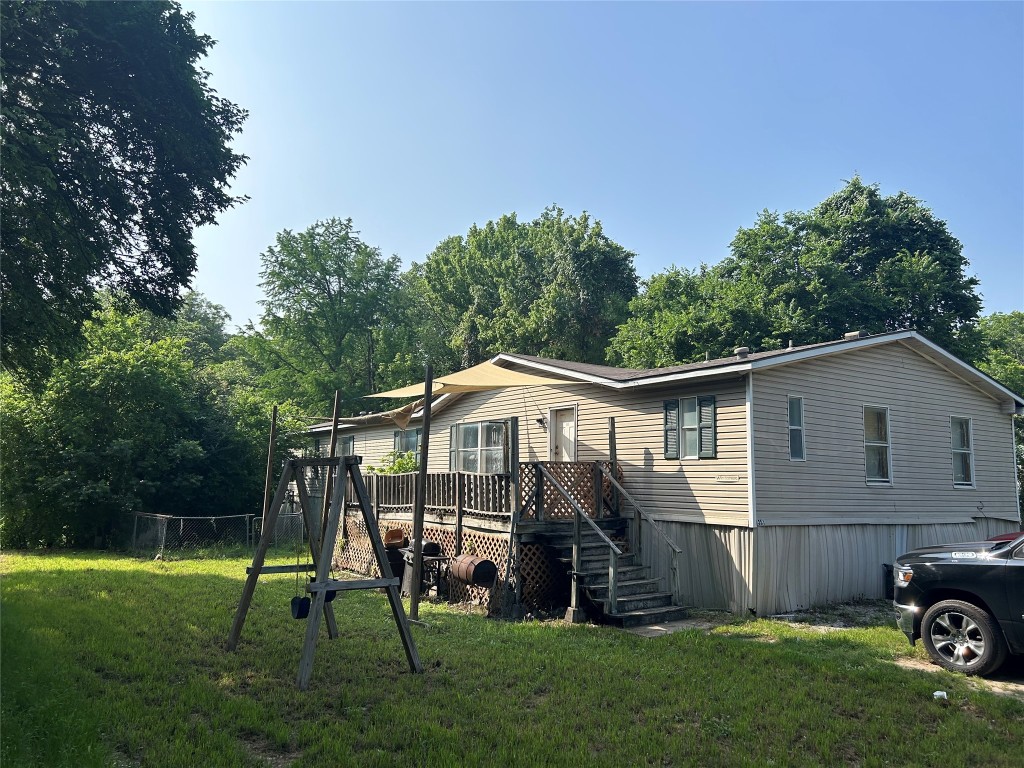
640,599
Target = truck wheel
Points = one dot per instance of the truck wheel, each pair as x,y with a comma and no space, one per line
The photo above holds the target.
963,638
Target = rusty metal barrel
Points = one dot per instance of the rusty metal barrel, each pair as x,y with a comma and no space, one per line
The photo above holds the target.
477,571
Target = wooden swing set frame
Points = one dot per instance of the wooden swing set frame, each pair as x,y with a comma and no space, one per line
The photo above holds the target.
323,535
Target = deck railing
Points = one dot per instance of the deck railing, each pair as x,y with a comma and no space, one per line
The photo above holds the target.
491,496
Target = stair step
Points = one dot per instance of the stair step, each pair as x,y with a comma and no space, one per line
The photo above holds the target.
626,588
642,601
597,577
646,616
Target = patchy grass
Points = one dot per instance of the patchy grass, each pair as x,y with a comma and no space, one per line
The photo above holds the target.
109,660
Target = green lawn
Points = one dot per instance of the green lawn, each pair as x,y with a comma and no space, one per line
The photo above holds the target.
109,660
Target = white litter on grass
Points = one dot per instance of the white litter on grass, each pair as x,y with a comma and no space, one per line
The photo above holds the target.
940,695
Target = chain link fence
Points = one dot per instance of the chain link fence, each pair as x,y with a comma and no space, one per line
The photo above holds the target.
169,534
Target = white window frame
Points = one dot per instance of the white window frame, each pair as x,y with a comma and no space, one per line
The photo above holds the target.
455,450
887,444
790,427
970,450
693,428
346,445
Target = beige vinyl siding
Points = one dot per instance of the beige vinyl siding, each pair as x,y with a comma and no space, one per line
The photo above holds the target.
700,490
830,486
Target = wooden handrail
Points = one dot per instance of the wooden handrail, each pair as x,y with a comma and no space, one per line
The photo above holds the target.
577,548
675,547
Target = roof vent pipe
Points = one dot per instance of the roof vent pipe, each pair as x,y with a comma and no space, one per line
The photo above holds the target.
741,352
707,356
855,335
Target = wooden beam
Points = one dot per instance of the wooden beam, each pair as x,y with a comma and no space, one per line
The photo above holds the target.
323,569
421,499
272,569
332,453
270,467
258,558
339,585
323,461
314,545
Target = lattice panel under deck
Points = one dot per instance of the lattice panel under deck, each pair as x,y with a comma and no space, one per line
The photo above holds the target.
544,583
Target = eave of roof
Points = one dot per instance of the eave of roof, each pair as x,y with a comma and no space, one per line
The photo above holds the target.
625,378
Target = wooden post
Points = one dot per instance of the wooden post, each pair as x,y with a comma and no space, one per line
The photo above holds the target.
323,570
374,497
459,490
258,558
270,466
575,613
538,493
597,482
329,479
135,529
310,521
613,460
393,590
421,499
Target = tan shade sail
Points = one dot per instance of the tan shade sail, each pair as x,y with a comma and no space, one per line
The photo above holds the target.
479,378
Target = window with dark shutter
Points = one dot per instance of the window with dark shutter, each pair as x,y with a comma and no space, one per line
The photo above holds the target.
671,429
706,412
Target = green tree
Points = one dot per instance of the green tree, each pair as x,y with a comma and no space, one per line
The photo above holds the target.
1003,360
114,148
556,286
857,261
331,304
135,423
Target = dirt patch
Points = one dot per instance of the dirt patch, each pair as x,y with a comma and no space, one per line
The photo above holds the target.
1008,682
268,755
858,614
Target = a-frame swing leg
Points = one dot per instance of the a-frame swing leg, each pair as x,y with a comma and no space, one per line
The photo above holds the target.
313,527
320,587
394,597
323,569
266,537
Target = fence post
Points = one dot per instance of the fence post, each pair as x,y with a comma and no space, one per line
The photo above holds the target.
538,492
575,614
135,529
459,489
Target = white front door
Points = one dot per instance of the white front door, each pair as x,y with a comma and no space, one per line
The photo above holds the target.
563,435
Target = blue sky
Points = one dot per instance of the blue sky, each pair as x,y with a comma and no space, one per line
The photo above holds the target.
673,123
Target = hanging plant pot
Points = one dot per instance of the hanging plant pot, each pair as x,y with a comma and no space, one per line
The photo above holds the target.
300,607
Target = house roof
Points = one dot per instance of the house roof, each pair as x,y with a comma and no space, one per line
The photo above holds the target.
627,378
622,378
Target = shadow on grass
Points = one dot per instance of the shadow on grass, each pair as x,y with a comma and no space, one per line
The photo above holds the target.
146,641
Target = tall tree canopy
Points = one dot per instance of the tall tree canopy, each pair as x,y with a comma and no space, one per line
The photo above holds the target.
114,148
857,261
556,286
331,303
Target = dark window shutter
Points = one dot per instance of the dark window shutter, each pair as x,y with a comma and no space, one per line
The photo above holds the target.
706,416
453,448
671,429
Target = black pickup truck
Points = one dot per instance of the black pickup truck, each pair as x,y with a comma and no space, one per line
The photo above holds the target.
965,601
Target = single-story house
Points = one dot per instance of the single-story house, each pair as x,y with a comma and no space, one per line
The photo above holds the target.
787,477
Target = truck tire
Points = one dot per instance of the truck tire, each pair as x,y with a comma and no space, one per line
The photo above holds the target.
962,637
